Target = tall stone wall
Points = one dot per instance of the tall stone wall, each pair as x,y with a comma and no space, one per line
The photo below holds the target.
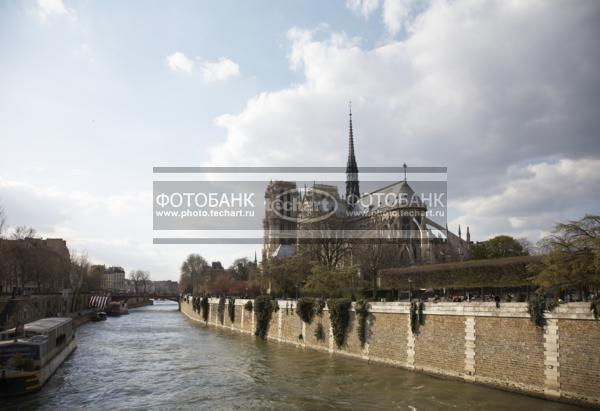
31,308
475,342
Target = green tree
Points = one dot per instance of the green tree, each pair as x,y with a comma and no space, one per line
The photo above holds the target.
333,282
572,256
498,247
287,274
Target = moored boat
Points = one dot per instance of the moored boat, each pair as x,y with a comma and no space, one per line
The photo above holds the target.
99,316
30,354
116,308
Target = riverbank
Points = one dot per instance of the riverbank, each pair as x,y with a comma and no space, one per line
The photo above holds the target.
472,342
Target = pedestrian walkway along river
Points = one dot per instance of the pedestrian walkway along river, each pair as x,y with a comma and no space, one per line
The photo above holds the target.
155,358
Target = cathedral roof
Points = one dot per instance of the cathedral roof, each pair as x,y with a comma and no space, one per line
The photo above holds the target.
284,250
399,194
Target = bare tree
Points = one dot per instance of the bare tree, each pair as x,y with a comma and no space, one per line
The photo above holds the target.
79,272
141,281
528,247
327,244
241,269
374,255
2,221
22,232
3,251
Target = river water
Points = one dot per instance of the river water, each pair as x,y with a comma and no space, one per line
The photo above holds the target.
155,358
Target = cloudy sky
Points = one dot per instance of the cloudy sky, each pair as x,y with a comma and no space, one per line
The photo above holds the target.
93,94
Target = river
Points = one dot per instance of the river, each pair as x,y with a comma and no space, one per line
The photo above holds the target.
155,358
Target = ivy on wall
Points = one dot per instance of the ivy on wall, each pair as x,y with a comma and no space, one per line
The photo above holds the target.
319,306
595,307
340,317
205,307
305,308
536,306
248,306
362,313
221,309
416,316
263,311
320,332
231,309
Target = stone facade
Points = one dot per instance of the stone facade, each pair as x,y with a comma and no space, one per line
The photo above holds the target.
522,346
388,337
579,358
474,342
440,344
30,308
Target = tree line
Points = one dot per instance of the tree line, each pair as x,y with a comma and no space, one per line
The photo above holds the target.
569,260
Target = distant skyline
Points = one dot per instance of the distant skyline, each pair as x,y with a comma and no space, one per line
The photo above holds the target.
94,94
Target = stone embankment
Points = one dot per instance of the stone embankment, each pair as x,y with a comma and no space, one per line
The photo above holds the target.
24,309
474,342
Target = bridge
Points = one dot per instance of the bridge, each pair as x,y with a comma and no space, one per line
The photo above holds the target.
149,296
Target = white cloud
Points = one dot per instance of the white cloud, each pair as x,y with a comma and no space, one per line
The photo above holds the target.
22,203
531,199
220,70
362,7
47,8
396,13
180,62
484,88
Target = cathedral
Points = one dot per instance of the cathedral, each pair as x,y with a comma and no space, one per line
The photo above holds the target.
294,215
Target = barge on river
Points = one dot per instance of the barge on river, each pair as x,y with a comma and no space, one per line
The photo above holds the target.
30,354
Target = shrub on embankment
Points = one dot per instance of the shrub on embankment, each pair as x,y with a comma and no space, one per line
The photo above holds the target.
340,317
221,310
362,314
205,306
263,311
231,309
305,308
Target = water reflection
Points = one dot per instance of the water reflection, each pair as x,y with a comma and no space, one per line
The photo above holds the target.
156,358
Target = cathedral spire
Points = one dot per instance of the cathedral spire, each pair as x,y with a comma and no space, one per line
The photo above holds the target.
352,189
